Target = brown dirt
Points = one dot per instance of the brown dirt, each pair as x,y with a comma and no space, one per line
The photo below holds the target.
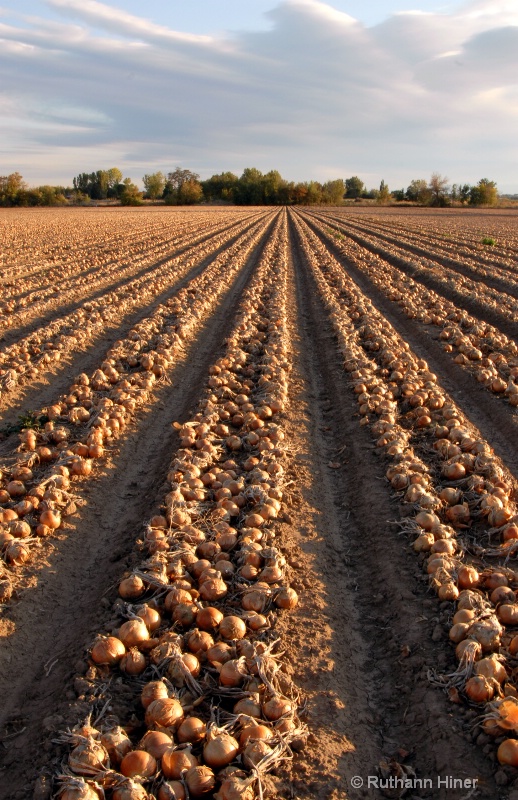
367,629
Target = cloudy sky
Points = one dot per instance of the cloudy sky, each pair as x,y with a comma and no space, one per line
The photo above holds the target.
384,89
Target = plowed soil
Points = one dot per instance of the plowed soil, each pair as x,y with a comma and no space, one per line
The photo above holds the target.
367,631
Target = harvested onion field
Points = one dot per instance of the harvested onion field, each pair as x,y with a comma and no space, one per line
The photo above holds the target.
258,504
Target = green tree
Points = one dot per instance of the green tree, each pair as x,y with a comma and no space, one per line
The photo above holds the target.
130,194
189,193
271,186
333,192
10,188
464,193
220,187
354,187
114,177
484,193
418,191
383,195
154,185
249,189
438,188
175,181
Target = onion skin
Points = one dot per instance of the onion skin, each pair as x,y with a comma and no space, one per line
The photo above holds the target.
166,712
220,750
174,762
200,781
138,762
107,651
508,752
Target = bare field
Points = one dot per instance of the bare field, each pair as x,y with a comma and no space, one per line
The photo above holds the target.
258,503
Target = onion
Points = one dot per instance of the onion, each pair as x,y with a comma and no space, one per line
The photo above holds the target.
191,730
171,790
491,667
50,518
233,672
166,712
219,750
131,588
129,790
208,618
236,789
138,762
156,743
116,743
88,758
77,789
487,632
154,690
133,662
200,781
255,752
150,616
219,653
213,589
107,650
199,641
467,577
133,632
174,762
232,628
285,598
507,752
508,614
249,706
479,689
276,707
254,732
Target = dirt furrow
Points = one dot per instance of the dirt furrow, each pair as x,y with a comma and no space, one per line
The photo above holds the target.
39,658
496,422
367,685
476,308
56,381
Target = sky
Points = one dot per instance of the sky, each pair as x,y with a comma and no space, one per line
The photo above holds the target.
386,89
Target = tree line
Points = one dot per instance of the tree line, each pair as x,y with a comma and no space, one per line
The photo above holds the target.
184,187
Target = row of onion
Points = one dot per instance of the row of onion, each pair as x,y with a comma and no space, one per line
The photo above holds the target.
476,345
459,497
31,356
426,267
39,490
75,255
198,646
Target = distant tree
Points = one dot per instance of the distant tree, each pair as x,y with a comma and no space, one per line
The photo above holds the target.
464,192
189,193
10,188
173,193
333,192
154,185
250,188
354,187
484,193
220,187
383,195
438,188
271,187
418,191
398,195
130,194
114,177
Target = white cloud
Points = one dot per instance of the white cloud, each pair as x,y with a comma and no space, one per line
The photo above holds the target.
318,95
